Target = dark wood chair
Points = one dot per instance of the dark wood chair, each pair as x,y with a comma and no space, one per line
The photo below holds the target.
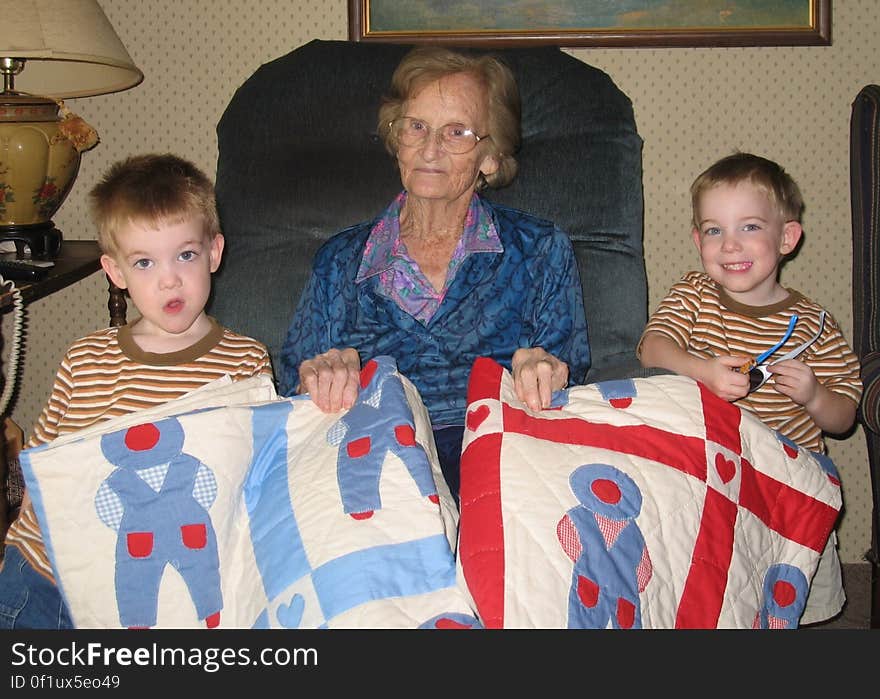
865,195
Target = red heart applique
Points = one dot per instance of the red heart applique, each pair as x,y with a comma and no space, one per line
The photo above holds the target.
790,450
725,468
475,417
620,403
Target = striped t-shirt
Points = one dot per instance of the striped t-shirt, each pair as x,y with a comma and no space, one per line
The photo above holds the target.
700,317
105,375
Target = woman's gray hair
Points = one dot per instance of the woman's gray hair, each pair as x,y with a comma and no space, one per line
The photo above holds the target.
427,64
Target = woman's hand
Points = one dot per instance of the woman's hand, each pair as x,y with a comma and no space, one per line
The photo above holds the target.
536,374
331,379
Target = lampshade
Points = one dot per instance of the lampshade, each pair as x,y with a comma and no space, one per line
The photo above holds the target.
50,50
70,48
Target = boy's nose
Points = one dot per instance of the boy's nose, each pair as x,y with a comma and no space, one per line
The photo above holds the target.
729,242
169,278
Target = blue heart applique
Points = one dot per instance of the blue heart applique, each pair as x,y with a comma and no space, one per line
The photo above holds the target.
290,615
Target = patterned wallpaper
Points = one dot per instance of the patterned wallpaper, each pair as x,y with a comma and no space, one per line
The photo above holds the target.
691,105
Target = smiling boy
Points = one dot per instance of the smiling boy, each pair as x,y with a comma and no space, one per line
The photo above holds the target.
746,220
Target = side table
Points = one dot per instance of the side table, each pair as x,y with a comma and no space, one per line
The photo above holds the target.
78,259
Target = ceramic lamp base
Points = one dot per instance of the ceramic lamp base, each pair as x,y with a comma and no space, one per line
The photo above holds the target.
38,166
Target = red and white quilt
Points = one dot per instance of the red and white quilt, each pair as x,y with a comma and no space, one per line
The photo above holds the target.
645,503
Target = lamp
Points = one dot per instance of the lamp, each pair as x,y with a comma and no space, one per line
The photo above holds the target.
50,50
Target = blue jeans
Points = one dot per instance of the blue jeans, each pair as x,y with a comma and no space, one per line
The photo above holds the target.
447,439
27,599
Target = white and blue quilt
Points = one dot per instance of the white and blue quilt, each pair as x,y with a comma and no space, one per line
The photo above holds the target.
235,508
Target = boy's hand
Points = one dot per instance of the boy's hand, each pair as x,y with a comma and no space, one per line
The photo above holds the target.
795,379
832,412
722,376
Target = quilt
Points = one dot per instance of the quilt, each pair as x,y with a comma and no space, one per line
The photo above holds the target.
232,507
644,503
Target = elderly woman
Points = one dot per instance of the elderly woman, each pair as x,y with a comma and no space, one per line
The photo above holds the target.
443,276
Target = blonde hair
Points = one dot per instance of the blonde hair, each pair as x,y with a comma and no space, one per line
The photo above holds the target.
151,189
427,64
764,174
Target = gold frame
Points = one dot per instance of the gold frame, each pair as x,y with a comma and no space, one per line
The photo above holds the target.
818,33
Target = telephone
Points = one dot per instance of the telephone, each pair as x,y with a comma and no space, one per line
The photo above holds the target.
14,346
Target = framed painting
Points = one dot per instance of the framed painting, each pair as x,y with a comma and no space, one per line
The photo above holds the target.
596,23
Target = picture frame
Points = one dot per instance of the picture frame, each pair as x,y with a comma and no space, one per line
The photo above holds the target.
568,24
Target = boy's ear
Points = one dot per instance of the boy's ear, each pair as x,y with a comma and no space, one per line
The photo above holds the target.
695,234
111,269
216,252
791,236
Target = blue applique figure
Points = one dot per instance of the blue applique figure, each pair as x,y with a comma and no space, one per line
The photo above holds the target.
792,450
619,392
788,446
379,422
157,500
828,466
611,561
784,597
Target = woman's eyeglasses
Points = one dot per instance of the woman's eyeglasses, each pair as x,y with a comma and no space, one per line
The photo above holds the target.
455,138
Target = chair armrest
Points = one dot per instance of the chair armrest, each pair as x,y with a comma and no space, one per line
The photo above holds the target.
623,367
870,408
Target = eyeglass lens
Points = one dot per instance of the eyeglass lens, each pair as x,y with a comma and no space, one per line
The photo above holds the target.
456,138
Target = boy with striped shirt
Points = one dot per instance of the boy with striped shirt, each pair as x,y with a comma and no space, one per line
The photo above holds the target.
159,231
746,220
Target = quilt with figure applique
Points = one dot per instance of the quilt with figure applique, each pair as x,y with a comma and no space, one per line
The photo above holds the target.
643,503
234,508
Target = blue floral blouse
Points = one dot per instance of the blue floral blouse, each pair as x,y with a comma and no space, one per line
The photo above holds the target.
526,295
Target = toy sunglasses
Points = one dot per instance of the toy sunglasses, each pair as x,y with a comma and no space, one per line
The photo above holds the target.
759,373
